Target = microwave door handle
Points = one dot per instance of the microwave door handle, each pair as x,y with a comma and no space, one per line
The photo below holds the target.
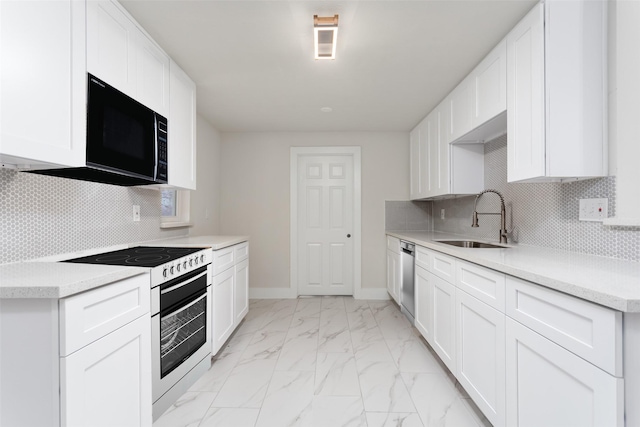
155,146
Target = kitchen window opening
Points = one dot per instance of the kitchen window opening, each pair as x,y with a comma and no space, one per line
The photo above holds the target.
174,208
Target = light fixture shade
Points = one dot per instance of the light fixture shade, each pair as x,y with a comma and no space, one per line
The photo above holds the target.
325,34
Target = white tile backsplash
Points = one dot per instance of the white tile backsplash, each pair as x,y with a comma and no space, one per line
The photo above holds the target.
539,214
42,215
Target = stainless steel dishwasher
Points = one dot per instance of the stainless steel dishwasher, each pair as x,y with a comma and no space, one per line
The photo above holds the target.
408,300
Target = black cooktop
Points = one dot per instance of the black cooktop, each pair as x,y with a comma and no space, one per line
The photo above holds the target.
141,256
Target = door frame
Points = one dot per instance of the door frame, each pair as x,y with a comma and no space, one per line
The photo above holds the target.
296,153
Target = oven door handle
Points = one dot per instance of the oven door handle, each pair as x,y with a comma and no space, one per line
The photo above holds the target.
181,284
184,307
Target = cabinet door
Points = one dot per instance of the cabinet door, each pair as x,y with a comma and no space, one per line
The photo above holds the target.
111,46
444,320
393,275
424,303
460,109
182,130
415,190
152,83
241,291
480,346
108,383
223,304
489,81
438,152
550,386
525,98
42,115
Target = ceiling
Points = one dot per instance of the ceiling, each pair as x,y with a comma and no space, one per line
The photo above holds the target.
253,64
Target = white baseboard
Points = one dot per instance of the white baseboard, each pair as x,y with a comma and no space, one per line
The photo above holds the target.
272,293
288,293
372,293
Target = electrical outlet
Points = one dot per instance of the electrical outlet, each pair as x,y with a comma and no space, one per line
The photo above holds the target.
593,209
441,213
136,213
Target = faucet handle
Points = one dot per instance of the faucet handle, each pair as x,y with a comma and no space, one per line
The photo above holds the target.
474,219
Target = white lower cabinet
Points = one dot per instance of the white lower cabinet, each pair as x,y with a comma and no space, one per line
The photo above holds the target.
394,275
444,321
525,354
80,361
230,292
480,346
222,315
424,303
548,385
107,383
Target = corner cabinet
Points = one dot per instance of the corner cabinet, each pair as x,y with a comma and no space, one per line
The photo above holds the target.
71,362
230,301
42,117
557,92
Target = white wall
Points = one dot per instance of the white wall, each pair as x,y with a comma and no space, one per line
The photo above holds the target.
205,200
254,196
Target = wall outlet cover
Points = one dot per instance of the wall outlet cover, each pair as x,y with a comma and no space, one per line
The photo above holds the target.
441,213
595,210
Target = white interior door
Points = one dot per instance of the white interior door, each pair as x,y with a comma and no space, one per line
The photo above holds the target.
325,224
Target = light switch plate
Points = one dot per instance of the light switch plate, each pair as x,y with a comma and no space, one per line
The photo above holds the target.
593,209
441,213
136,213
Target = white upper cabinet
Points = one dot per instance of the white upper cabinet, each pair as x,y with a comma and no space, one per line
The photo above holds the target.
122,55
460,102
557,92
439,169
489,83
111,46
182,130
477,106
42,116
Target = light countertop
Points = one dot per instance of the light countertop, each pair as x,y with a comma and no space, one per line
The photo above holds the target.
58,279
609,282
214,242
48,278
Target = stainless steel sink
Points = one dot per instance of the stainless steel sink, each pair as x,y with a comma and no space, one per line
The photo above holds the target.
471,244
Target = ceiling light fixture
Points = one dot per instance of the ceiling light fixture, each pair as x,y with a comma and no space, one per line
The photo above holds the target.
325,34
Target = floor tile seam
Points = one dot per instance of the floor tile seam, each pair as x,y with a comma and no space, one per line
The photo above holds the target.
208,409
235,365
357,376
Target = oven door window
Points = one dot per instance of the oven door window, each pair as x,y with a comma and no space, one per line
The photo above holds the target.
182,333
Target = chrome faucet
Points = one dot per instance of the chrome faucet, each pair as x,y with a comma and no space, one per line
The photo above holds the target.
502,213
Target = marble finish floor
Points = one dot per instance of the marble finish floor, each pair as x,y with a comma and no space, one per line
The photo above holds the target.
324,362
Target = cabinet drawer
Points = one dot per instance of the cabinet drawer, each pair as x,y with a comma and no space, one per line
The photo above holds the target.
588,330
443,266
87,317
223,259
423,257
485,284
393,244
241,252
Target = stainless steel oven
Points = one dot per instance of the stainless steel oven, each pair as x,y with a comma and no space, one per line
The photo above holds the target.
180,334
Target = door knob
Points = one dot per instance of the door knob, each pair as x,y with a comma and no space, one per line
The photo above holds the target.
348,235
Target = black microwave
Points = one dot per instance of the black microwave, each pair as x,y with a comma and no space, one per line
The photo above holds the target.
126,141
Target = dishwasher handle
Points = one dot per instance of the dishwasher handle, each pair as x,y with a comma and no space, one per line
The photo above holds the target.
407,247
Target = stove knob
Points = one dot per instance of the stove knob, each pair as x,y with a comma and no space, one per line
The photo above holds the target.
190,262
196,260
164,272
184,264
171,270
178,267
201,258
